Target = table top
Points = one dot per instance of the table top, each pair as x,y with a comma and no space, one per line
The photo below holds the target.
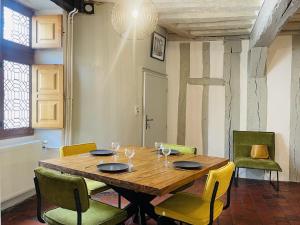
149,174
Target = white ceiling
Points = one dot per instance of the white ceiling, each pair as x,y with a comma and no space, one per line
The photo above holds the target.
193,18
39,4
206,18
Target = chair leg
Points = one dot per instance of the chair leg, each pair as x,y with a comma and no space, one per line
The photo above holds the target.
236,180
119,201
276,187
277,180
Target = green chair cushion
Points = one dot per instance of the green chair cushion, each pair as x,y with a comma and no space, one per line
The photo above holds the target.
263,164
95,187
181,148
97,214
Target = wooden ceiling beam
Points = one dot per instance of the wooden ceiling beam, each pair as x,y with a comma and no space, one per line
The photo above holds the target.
217,25
206,17
199,8
173,29
291,26
175,37
272,17
221,32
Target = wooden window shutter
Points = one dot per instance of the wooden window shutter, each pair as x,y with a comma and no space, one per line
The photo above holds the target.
47,31
47,96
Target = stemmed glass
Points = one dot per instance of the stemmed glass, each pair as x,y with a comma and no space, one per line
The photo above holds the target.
158,146
129,153
115,147
166,152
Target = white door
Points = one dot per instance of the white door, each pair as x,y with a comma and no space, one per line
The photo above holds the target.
155,108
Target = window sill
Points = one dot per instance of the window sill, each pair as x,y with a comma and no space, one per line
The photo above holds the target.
17,140
16,133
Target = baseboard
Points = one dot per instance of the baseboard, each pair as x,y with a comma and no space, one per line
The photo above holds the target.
16,200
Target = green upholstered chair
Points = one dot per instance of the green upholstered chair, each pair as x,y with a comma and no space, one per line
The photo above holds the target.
181,148
200,209
75,207
242,143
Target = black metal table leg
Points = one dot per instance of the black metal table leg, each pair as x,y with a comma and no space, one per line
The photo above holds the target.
140,202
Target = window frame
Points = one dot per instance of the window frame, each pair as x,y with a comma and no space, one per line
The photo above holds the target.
18,53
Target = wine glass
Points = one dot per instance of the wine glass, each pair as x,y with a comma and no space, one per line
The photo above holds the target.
157,148
165,151
115,147
129,153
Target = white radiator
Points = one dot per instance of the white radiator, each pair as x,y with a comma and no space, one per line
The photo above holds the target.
17,163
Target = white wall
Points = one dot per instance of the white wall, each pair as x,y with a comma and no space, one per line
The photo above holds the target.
108,80
279,92
172,68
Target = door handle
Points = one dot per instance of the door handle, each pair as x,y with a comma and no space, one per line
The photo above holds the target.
147,122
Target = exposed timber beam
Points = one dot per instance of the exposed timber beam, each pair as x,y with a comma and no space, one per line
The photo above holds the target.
217,25
291,26
206,81
175,30
221,32
201,8
273,15
205,17
257,61
175,37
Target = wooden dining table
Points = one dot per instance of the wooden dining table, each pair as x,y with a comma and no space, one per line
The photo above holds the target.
150,177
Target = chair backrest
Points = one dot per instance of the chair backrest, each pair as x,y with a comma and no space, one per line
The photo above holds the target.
223,176
58,189
243,141
181,148
76,149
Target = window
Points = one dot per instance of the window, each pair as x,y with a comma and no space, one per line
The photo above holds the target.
16,58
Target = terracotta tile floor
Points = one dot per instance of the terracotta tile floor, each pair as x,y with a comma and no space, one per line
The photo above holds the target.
253,203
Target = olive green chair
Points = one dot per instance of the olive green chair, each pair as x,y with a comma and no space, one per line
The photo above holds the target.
70,194
181,148
242,143
199,209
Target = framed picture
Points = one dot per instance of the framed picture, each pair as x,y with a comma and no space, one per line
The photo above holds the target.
158,46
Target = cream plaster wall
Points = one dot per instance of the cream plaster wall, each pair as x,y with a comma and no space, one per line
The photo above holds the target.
108,80
172,68
193,133
279,91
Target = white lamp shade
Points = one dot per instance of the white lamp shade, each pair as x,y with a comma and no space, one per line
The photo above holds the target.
134,19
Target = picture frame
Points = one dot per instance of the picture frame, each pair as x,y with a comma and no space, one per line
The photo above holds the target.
158,46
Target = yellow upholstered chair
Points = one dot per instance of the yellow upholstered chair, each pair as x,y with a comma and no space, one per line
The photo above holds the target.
200,209
93,187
